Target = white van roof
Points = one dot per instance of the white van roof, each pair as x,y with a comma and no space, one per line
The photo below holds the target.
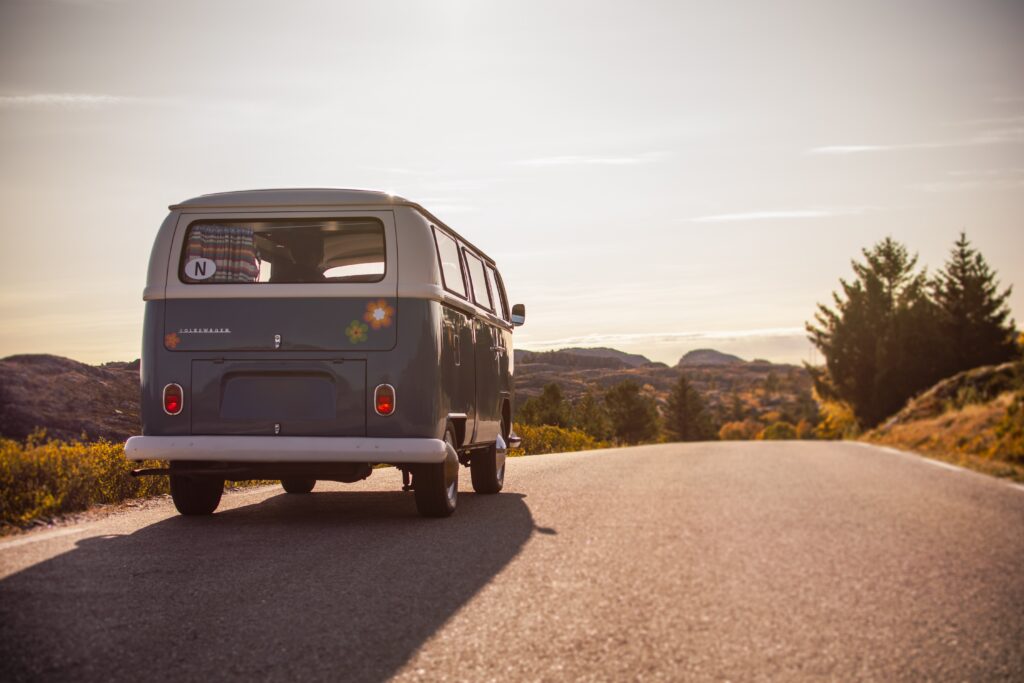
319,196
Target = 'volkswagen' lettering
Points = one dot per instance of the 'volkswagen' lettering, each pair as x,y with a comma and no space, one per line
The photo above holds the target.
204,330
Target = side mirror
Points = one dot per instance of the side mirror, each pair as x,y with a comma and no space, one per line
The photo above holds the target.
518,315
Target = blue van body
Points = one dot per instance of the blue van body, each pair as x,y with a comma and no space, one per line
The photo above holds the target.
391,343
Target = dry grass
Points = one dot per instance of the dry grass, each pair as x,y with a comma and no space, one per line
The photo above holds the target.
986,437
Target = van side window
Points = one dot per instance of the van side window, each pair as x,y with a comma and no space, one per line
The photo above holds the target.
451,264
497,286
478,278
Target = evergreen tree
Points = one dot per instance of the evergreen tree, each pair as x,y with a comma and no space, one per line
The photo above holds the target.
687,418
737,409
634,417
974,317
547,409
589,415
880,342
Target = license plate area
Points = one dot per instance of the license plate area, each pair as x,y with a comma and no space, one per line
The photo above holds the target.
287,397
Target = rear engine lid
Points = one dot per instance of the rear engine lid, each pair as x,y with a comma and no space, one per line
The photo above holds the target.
287,397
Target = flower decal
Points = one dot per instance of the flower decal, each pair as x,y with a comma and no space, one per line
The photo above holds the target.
378,314
172,340
356,332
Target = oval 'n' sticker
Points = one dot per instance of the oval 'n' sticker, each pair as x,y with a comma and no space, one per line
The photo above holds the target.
200,268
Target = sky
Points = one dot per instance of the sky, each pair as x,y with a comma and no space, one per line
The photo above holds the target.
651,176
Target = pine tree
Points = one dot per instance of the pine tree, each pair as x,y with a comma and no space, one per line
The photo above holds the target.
880,342
634,417
974,316
547,409
589,415
687,418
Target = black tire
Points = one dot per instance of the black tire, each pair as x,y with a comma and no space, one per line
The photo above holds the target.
488,476
436,487
196,495
298,485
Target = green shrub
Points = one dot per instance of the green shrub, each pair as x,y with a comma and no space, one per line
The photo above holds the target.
837,421
778,431
539,439
740,430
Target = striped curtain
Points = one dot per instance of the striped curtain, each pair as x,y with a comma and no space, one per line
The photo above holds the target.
231,247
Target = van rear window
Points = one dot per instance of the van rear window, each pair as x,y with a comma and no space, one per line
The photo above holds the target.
284,251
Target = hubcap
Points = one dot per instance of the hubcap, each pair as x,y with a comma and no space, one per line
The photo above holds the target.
500,453
452,487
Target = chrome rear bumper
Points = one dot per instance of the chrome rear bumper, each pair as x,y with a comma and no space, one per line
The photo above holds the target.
285,449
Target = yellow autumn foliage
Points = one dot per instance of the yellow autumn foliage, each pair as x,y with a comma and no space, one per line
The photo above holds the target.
539,439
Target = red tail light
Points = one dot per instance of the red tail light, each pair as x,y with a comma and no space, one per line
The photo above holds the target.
384,399
173,399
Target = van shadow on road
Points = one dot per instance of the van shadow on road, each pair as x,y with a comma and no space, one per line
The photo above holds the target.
334,585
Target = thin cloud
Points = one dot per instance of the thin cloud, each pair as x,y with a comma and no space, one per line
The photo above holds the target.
397,170
995,178
776,215
66,101
580,160
998,121
849,149
1011,132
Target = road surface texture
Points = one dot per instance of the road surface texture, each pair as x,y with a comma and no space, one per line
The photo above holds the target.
723,561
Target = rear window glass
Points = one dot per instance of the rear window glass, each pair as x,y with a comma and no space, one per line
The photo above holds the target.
481,293
284,251
451,268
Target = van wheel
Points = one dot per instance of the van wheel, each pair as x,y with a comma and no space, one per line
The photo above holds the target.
488,468
437,486
298,485
196,495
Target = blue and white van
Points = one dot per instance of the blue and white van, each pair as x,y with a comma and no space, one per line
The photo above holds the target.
309,334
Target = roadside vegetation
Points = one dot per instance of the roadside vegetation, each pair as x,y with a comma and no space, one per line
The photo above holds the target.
894,333
540,439
974,419
41,479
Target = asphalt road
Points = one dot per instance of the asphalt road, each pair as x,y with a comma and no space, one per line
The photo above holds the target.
724,561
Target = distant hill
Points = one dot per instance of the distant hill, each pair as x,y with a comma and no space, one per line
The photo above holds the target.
708,357
68,398
565,359
633,359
